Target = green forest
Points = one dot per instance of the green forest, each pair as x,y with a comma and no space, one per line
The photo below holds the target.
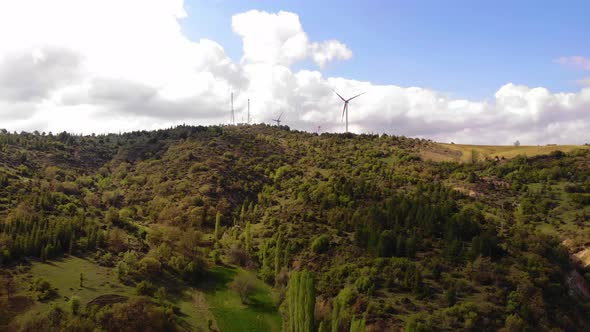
263,228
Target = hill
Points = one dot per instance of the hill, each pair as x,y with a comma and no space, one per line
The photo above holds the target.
467,153
226,227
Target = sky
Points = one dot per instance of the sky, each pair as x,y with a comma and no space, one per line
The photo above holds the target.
462,71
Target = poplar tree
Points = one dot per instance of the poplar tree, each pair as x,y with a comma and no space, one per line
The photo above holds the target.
248,237
217,226
278,251
301,301
357,325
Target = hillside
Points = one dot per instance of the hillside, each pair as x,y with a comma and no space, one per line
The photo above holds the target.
211,228
467,153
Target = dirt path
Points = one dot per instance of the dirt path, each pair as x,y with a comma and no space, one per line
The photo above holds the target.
202,308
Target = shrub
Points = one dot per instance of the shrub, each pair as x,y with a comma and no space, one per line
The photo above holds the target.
321,244
145,288
149,266
74,305
43,289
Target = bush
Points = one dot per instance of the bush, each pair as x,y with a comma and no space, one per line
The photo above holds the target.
321,244
74,305
149,267
43,289
145,288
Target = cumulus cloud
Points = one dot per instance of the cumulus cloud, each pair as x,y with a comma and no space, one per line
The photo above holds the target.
119,65
32,75
279,39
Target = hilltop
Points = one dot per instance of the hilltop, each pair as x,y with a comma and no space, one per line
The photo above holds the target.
197,228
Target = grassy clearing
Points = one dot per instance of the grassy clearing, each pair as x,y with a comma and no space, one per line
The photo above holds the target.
491,151
230,313
65,276
194,312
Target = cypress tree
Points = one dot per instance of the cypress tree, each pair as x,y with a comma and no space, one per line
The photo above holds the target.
292,301
301,300
248,237
357,325
278,253
217,225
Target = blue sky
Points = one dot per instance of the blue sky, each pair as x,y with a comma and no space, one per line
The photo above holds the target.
467,49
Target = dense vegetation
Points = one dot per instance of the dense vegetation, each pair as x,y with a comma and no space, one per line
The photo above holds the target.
352,232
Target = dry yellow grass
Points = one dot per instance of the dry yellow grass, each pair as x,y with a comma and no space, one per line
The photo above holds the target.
463,152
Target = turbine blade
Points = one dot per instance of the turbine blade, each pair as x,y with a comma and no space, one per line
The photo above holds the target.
344,110
360,94
281,115
339,95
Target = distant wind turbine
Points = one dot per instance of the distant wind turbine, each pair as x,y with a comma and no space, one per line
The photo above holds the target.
278,120
345,109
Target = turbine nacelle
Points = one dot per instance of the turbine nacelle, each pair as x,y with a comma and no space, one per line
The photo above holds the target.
278,120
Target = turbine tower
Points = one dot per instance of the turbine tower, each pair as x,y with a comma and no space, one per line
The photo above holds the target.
248,118
345,109
233,116
278,120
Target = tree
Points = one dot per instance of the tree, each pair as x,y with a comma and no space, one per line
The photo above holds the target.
474,156
248,237
43,289
150,267
321,244
217,226
278,252
243,284
301,302
74,305
357,325
517,143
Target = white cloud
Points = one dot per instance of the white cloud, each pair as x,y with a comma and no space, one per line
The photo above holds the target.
575,61
279,39
97,66
326,51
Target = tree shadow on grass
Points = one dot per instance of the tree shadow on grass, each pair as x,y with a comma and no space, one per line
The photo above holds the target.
260,306
217,279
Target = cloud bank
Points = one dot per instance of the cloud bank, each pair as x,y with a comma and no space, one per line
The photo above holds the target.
108,66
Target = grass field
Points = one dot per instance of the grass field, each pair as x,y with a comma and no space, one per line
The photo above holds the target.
213,303
64,275
461,152
230,313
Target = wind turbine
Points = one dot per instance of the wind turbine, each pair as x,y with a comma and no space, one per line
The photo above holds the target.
345,109
278,120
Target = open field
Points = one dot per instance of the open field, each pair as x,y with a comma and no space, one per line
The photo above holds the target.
215,301
463,152
64,276
230,313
